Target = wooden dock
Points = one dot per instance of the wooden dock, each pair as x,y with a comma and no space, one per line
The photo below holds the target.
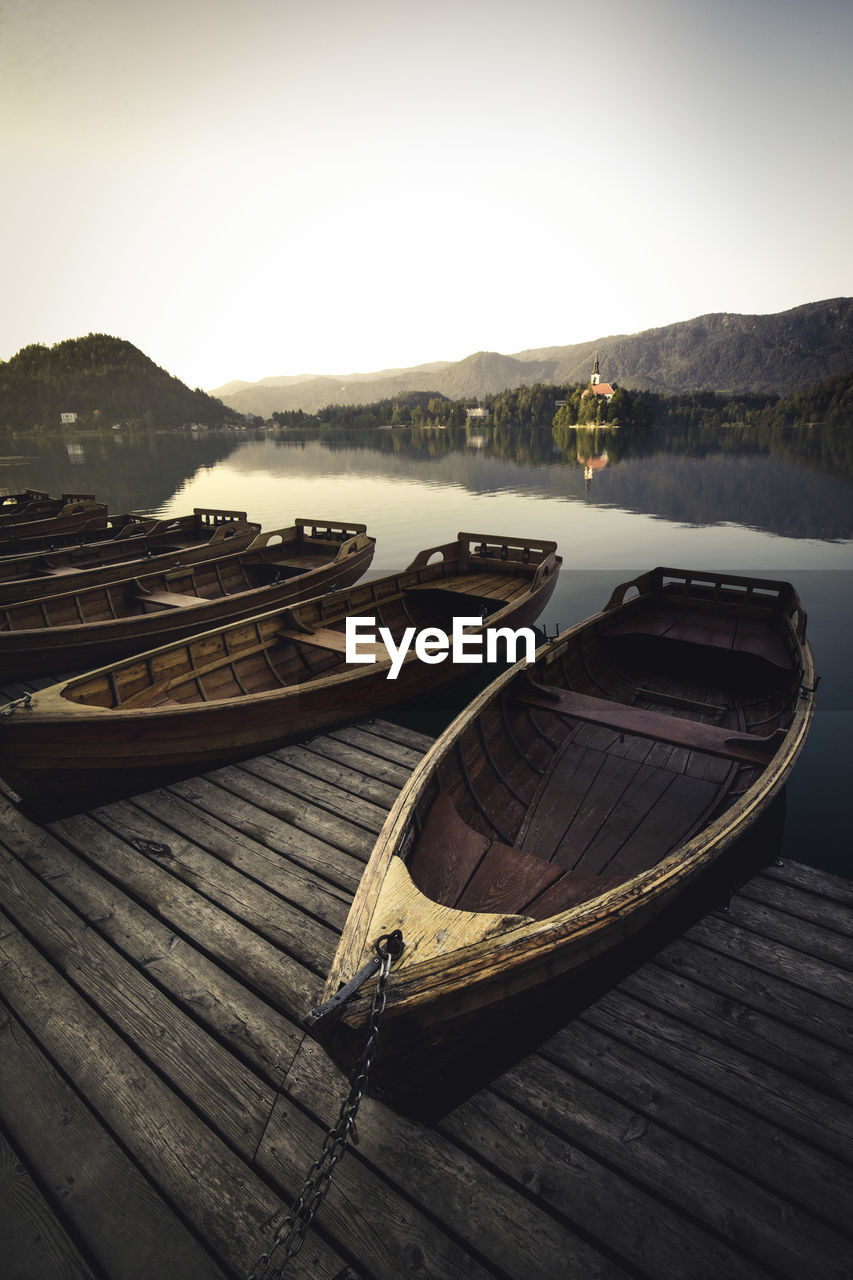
160,1105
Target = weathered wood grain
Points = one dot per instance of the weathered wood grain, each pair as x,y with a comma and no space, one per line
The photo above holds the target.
693,1123
822,884
821,929
340,775
645,1232
765,992
822,1067
206,990
763,1089
758,1224
333,864
230,1094
715,1124
211,1187
514,1234
768,955
355,809
117,1214
33,1244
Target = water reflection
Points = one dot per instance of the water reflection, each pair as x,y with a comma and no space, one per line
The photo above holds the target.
776,502
786,482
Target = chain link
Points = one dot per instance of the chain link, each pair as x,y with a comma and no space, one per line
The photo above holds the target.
11,707
290,1235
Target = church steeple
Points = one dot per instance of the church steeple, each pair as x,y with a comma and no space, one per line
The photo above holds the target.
596,377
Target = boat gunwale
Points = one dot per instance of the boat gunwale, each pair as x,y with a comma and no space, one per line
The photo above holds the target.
52,639
525,938
55,703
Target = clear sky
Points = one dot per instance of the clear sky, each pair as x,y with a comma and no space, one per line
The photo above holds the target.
265,187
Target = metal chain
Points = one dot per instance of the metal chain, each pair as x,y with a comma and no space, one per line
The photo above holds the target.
290,1235
11,707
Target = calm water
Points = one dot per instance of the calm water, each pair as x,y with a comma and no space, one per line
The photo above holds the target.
616,503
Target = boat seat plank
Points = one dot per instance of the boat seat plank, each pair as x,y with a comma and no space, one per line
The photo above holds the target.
57,571
336,641
677,700
507,880
728,743
447,854
168,598
487,585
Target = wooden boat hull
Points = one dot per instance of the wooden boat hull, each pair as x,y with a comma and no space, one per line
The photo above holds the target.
572,803
184,708
93,531
72,517
141,547
33,504
82,629
11,501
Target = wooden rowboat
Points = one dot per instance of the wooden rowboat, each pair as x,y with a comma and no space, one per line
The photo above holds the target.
575,799
139,547
95,528
241,689
10,499
34,504
70,518
82,629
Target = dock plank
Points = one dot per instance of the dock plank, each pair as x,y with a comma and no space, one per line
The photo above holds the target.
265,863
758,1223
347,837
513,1236
354,808
717,1125
337,866
342,776
205,989
726,1069
367,765
210,1186
694,1120
33,1244
822,1019
236,1100
85,1169
582,1193
821,884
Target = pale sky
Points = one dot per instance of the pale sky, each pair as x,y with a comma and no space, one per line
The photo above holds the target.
261,188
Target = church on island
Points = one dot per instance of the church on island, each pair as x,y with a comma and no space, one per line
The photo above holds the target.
596,386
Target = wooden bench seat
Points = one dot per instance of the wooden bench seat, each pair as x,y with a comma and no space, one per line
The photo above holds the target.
169,598
709,738
335,641
299,564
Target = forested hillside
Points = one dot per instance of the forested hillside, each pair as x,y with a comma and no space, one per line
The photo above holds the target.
103,380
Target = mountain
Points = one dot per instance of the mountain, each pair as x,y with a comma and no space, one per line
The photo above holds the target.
103,380
718,352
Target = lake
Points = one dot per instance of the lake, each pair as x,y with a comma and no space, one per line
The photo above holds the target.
771,502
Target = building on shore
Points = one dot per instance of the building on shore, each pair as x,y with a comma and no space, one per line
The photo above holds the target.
596,386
